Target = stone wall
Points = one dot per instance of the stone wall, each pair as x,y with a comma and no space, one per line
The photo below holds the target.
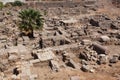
56,4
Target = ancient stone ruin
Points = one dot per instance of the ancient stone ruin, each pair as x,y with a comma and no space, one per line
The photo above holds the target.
80,40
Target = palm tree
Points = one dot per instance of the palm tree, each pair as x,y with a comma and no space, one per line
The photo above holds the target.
30,19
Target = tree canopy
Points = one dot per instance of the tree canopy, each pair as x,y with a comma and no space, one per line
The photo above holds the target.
30,20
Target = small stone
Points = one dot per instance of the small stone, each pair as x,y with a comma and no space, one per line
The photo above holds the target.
88,68
75,78
85,68
103,59
84,62
114,60
92,70
104,38
110,65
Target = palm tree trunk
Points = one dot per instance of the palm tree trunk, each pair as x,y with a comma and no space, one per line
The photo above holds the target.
31,34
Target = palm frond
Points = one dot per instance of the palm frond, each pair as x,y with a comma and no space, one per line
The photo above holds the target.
30,18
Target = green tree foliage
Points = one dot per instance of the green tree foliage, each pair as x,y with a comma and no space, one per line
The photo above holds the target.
30,20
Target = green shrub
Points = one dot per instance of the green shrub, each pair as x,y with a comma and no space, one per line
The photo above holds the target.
1,5
17,3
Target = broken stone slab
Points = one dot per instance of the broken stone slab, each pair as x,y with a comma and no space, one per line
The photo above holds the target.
13,50
25,40
34,61
54,65
45,55
20,49
74,78
86,42
72,64
26,56
68,22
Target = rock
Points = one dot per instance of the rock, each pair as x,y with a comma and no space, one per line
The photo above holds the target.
34,61
86,68
94,22
103,59
13,57
114,59
75,78
13,50
100,49
54,65
119,57
104,38
65,56
20,40
83,62
116,55
86,42
3,67
14,77
1,19
92,70
84,55
72,64
114,26
20,49
26,40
